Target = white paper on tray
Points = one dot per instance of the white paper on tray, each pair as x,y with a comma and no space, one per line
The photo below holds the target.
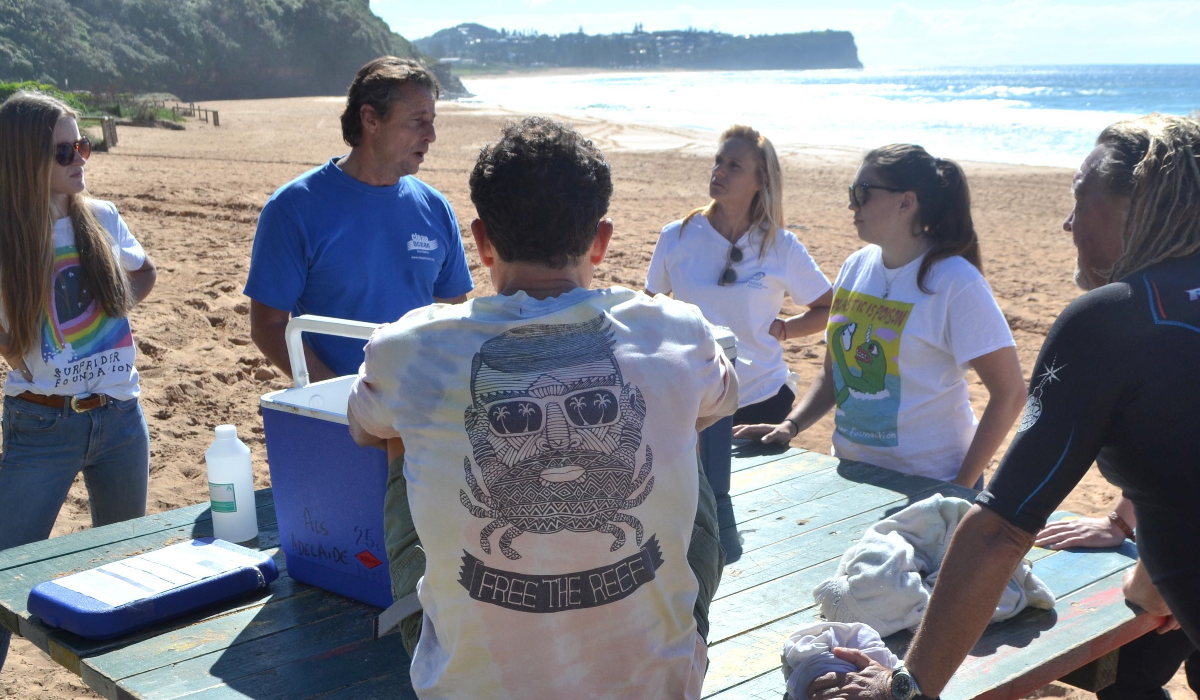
199,560
146,575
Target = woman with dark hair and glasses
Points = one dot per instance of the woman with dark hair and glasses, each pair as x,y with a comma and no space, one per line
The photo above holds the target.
911,314
733,260
70,271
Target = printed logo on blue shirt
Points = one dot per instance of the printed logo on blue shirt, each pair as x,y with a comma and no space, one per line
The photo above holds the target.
1194,294
422,243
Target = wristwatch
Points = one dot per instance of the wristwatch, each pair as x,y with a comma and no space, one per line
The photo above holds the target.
904,686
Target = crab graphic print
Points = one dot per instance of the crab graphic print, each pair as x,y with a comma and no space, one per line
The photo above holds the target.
556,436
863,337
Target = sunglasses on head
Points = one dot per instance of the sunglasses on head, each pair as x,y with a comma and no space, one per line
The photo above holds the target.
729,275
65,152
859,192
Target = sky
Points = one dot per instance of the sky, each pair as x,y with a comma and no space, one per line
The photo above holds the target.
916,33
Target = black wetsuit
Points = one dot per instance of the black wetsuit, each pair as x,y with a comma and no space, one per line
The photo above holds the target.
1118,382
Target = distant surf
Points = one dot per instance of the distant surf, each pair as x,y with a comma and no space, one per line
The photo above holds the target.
1033,115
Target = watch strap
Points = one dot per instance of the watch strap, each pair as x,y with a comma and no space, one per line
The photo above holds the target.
1117,520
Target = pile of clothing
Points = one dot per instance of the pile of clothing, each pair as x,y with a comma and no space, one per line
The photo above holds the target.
882,585
885,578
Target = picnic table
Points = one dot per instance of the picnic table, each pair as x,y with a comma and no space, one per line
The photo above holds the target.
796,510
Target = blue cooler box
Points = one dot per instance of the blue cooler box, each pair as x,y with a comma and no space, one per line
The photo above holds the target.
328,491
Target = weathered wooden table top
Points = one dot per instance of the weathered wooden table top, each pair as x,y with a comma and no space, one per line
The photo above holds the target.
797,512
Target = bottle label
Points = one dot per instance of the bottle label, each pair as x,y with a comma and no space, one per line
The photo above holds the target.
222,498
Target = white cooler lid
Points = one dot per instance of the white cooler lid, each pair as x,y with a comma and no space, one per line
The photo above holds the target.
325,400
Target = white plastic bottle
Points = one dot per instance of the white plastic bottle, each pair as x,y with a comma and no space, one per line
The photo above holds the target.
231,487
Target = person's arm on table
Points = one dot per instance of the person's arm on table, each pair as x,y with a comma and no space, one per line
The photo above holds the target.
816,403
1105,532
1000,371
808,322
1088,532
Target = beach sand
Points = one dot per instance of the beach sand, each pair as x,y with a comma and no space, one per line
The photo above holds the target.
192,198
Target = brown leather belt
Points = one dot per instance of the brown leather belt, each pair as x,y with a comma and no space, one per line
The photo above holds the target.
79,404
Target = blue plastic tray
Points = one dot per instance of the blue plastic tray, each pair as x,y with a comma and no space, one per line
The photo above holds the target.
88,617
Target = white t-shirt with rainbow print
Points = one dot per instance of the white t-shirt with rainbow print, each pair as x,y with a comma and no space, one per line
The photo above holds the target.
82,350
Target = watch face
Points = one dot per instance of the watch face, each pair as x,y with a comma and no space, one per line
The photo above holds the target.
902,686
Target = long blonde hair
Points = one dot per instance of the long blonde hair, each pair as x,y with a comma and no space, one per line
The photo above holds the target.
766,209
27,122
1155,161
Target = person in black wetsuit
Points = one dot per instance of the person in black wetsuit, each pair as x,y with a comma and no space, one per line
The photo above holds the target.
1117,382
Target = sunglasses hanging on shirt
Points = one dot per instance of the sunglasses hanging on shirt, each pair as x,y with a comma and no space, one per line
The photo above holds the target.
729,275
65,152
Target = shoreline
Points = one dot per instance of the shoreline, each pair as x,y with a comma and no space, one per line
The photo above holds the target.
631,136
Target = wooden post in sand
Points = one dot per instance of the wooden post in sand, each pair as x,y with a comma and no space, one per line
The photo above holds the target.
108,127
216,118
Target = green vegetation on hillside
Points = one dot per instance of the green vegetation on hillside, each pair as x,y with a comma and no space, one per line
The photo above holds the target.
76,101
197,49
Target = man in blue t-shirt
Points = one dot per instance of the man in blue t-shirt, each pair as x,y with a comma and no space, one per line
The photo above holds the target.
359,237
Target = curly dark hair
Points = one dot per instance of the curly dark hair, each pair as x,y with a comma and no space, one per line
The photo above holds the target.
541,190
377,84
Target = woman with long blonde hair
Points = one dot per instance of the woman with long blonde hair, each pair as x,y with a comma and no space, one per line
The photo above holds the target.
70,271
734,260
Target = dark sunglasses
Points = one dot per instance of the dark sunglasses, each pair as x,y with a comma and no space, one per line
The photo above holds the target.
860,190
729,275
65,152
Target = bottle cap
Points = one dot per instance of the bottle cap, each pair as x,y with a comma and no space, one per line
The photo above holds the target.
226,432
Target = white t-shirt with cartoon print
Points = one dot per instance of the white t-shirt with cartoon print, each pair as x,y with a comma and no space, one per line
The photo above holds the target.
689,266
81,349
900,358
550,454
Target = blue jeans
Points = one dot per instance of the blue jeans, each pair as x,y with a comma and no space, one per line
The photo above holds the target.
45,448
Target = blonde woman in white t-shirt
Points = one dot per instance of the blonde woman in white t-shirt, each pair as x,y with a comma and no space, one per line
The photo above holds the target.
911,314
733,260
69,273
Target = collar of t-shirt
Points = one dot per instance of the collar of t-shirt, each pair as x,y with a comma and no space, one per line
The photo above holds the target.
895,277
522,305
341,177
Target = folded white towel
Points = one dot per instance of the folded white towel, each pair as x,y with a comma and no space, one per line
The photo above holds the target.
808,653
885,578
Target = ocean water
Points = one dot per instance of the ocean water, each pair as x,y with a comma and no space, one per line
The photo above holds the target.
1035,115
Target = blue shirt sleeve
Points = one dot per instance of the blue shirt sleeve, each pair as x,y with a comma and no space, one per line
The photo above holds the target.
279,259
455,278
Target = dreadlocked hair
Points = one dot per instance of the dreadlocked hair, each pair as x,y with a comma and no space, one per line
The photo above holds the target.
1154,161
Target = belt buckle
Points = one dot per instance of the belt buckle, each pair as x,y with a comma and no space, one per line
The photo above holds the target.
75,403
